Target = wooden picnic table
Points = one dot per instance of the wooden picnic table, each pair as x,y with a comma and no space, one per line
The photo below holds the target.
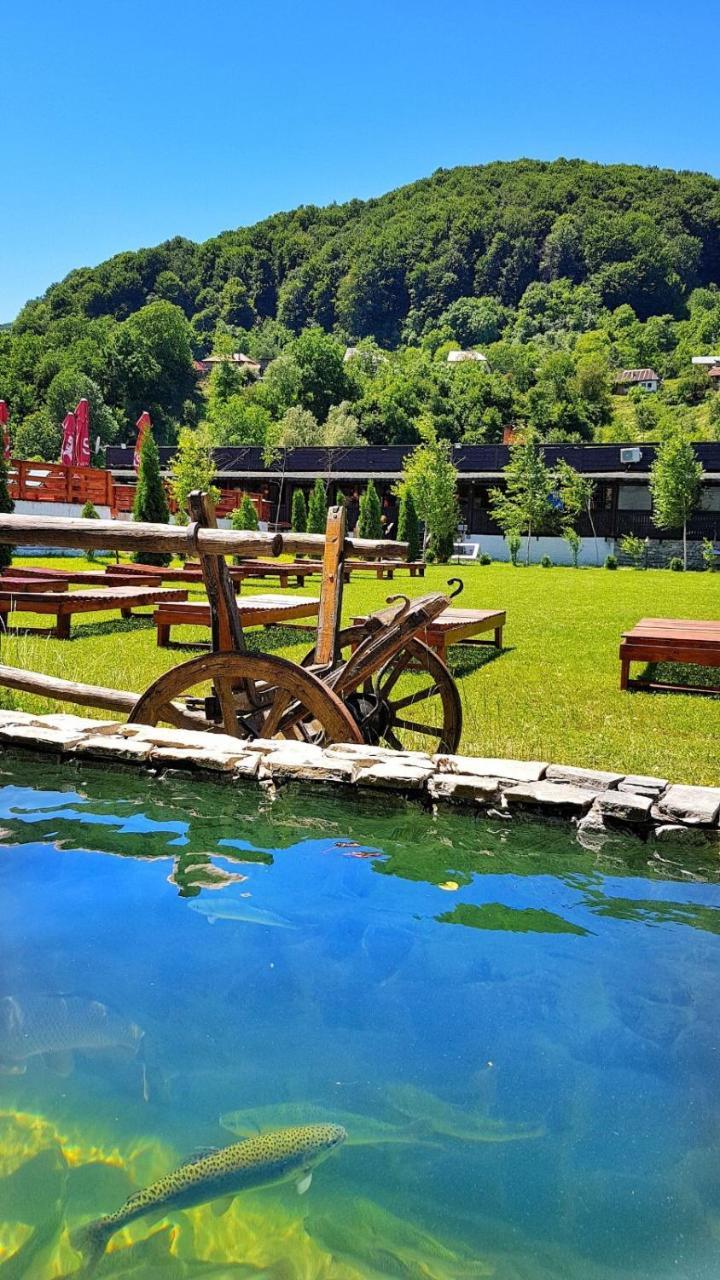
263,610
384,568
63,604
460,626
669,640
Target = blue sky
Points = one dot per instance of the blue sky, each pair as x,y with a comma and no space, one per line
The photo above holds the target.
126,122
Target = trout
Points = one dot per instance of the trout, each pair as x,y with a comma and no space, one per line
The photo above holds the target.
279,1155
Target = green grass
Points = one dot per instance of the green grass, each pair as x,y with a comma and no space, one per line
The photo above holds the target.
553,694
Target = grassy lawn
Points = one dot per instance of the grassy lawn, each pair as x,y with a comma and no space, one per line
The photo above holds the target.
552,694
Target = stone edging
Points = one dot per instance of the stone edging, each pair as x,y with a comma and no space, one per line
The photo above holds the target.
599,802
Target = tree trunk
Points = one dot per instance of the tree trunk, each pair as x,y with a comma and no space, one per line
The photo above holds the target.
595,538
685,544
527,550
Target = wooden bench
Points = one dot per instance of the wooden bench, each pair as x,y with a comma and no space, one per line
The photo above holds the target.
461,626
669,640
265,611
64,604
384,568
9,582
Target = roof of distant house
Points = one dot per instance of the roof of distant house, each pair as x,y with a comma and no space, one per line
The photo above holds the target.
714,372
455,356
237,357
711,360
636,375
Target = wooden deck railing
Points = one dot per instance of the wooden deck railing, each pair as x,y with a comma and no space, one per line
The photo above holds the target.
54,482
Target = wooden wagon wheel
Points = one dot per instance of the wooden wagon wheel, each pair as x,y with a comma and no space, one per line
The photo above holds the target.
411,703
249,696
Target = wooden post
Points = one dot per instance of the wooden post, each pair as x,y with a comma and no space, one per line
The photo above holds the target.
227,632
331,591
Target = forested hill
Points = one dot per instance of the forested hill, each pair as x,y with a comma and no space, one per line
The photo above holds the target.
388,267
559,272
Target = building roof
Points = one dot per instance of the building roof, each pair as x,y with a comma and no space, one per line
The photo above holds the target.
237,357
453,357
714,372
636,375
474,462
711,360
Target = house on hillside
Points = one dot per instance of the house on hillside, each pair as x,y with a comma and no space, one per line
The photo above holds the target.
714,376
626,379
208,363
456,357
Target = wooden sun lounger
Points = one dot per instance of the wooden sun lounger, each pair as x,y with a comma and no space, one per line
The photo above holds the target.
265,611
64,604
669,640
461,626
77,577
9,582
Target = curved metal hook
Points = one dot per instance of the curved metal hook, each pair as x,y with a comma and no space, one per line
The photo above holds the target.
401,613
459,587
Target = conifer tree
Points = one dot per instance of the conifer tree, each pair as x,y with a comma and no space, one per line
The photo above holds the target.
369,524
408,524
317,508
89,512
150,502
245,516
299,515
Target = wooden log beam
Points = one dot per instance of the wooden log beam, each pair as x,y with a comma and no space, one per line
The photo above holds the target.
82,695
129,535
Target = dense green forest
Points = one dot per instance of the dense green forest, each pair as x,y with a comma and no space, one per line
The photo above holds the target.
560,273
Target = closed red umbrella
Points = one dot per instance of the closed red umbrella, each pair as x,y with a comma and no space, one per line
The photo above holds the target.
4,418
82,434
143,424
67,449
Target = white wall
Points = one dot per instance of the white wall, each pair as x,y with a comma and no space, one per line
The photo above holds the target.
556,548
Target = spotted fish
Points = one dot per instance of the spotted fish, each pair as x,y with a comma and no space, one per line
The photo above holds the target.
52,1027
276,1156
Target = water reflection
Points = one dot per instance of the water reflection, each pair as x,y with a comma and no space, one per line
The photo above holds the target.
518,1035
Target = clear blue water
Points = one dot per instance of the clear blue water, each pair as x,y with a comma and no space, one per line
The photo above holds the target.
535,1027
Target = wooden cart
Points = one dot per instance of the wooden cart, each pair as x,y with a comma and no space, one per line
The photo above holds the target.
375,682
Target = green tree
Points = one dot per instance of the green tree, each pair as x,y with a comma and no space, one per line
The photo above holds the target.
317,508
239,421
524,505
323,381
342,428
408,524
245,516
431,477
150,503
192,467
299,516
66,389
38,437
574,541
369,523
676,479
576,494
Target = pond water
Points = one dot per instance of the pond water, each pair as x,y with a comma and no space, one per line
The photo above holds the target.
519,1037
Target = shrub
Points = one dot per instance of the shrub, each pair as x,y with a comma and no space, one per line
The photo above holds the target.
514,542
574,541
298,515
676,564
635,549
245,516
369,523
546,563
611,562
708,553
89,513
317,509
484,558
150,502
430,556
409,525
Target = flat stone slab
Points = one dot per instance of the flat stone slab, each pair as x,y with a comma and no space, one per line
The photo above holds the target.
559,797
594,778
298,761
491,767
695,806
643,784
396,774
464,788
624,806
675,833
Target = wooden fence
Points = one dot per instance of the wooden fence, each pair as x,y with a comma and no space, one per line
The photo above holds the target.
54,482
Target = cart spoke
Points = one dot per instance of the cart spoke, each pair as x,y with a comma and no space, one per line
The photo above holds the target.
431,730
411,699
